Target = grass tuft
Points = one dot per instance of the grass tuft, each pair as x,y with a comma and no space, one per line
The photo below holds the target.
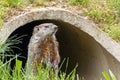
7,46
115,6
16,3
38,2
113,31
1,23
19,74
109,76
101,14
79,2
43,73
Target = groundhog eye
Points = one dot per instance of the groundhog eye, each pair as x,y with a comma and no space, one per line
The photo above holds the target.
46,26
37,29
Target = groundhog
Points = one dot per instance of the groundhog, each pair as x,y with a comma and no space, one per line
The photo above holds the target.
43,48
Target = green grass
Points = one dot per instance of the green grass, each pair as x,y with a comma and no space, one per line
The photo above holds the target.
114,5
43,74
38,2
100,14
16,3
109,77
6,5
106,14
79,2
113,31
1,23
3,13
7,46
18,73
5,50
118,11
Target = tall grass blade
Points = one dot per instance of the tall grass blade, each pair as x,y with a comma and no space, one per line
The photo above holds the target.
106,75
112,75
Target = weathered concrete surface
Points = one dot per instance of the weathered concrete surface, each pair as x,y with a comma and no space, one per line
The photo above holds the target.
79,39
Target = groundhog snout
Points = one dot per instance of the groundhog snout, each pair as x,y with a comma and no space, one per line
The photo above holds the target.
55,29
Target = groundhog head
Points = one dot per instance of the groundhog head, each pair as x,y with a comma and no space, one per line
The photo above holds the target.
44,30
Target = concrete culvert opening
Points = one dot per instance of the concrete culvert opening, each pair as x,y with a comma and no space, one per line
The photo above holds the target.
77,41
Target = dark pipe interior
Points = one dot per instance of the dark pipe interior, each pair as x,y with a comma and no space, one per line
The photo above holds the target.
74,44
61,37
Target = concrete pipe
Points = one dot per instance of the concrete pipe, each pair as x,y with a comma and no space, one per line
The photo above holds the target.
79,39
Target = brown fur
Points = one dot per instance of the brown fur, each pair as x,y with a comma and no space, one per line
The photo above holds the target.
43,47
